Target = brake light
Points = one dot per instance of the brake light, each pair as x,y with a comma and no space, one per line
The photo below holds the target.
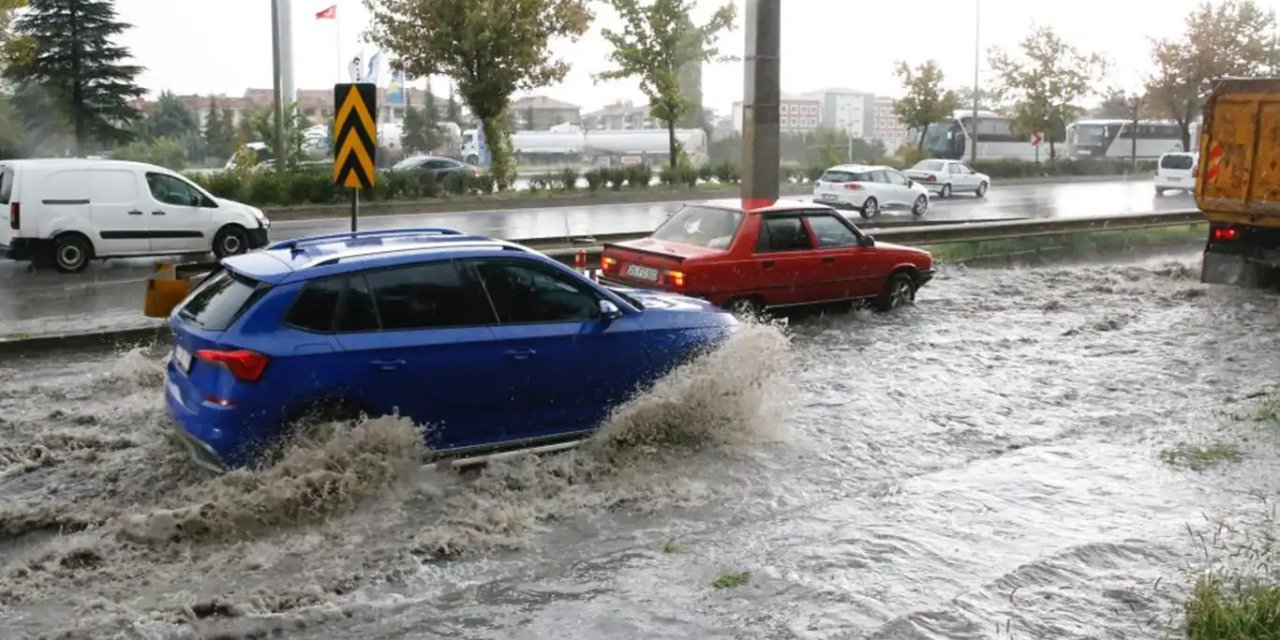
15,216
676,279
931,178
244,365
608,263
1225,233
852,186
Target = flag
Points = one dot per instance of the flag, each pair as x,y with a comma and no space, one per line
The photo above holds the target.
375,68
328,14
396,88
354,69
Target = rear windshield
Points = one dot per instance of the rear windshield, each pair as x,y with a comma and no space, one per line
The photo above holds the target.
928,165
6,184
700,226
1176,162
844,176
221,300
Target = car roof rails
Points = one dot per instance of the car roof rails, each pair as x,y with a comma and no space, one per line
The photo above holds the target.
296,243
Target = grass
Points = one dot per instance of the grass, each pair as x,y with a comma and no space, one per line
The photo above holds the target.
1224,608
1199,458
1269,410
671,547
1070,243
732,579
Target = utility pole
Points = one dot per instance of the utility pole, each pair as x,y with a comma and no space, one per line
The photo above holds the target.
278,106
973,124
763,92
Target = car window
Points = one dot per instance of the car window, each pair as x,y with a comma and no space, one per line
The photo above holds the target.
170,190
839,177
830,232
955,169
895,178
929,165
1177,161
964,169
879,176
221,300
783,234
6,184
427,296
315,308
524,293
700,226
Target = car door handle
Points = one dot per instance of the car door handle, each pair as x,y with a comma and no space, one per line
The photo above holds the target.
135,212
157,213
828,260
521,354
387,365
767,264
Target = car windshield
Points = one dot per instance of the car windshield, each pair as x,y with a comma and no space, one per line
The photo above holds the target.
407,163
929,165
839,177
700,226
1176,161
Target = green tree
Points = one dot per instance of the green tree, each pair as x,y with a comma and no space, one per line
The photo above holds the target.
260,126
165,152
219,131
658,41
421,131
452,112
1046,82
1222,38
925,102
70,55
7,9
13,135
492,48
170,118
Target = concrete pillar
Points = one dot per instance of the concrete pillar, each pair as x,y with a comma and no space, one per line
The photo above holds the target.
277,105
287,83
762,93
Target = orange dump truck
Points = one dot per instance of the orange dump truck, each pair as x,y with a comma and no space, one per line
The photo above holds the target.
1238,182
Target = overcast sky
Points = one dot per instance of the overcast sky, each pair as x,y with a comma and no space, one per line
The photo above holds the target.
224,46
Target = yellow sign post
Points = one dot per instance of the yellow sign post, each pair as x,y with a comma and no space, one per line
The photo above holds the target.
355,140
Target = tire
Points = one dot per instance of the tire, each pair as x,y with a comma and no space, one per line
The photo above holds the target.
921,206
870,208
899,291
1159,192
231,240
472,160
982,190
71,253
946,191
748,307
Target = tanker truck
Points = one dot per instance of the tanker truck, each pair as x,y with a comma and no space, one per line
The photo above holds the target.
1238,183
570,144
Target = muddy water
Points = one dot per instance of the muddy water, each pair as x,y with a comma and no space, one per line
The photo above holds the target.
986,464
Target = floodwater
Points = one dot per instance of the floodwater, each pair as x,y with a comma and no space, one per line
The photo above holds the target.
987,464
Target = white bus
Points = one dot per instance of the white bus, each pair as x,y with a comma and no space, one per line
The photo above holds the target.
997,140
1115,139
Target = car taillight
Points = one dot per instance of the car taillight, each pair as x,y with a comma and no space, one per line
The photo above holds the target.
1225,234
931,178
244,365
852,186
15,216
676,279
608,263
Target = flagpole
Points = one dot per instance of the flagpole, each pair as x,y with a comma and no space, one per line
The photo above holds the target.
337,42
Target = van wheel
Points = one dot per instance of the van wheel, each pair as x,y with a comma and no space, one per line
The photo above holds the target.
231,240
899,291
71,253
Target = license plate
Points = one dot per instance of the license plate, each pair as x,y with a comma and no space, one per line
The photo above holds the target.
827,196
182,358
642,273
1173,179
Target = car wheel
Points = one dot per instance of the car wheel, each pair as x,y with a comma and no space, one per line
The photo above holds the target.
1159,192
231,240
982,190
899,291
745,307
946,191
71,253
870,208
921,205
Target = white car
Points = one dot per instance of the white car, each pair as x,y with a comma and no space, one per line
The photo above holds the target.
1176,171
68,211
946,177
869,190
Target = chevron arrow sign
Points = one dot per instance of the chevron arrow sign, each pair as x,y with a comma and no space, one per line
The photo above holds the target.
355,135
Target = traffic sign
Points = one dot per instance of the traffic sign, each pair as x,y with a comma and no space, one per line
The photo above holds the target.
355,135
1036,138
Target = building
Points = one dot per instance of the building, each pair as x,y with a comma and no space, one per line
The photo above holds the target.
888,127
620,115
795,115
846,110
315,104
542,113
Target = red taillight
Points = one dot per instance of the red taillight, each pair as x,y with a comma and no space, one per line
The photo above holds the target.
852,186
244,365
931,178
676,279
1225,233
15,216
608,264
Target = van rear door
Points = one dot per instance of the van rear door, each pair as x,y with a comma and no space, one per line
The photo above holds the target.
8,217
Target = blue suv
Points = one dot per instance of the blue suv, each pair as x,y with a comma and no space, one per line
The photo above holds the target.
484,343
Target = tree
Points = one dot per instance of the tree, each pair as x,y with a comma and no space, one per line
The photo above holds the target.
70,56
925,101
219,131
421,130
7,9
452,113
1046,82
492,48
1223,38
171,119
658,42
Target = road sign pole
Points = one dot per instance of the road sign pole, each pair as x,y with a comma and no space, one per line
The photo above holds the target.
355,209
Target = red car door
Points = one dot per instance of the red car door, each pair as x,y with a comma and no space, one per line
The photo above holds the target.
788,269
845,266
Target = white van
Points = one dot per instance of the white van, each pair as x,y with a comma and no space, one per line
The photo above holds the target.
1176,171
69,211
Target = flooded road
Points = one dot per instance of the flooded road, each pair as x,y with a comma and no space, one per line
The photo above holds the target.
993,463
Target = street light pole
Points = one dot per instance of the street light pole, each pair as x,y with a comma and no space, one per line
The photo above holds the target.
278,106
973,124
760,103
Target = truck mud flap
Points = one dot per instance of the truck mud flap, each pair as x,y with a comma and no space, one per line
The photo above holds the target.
1239,271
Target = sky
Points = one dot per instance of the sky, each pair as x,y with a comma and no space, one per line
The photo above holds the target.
224,46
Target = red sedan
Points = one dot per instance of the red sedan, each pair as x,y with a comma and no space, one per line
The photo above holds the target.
787,254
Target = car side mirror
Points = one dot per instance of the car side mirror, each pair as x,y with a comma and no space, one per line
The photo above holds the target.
609,310
867,241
